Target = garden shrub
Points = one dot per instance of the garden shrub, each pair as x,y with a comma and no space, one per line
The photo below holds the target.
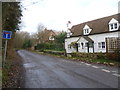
49,46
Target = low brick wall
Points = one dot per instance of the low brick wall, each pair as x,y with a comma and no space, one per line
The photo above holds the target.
90,55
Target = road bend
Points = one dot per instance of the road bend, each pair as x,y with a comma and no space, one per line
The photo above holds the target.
42,71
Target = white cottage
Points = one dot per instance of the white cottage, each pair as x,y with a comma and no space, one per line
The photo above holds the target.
91,36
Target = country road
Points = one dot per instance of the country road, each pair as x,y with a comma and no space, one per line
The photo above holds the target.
43,71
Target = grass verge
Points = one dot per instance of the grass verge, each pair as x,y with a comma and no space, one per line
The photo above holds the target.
88,60
11,73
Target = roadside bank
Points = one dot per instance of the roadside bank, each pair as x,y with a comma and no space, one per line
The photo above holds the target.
13,71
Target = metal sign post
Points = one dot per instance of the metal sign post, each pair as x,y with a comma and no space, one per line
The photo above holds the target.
6,35
5,52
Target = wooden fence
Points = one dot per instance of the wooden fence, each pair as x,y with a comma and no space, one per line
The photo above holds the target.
113,48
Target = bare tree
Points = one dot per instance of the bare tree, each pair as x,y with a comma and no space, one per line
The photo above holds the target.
20,38
40,27
34,39
41,34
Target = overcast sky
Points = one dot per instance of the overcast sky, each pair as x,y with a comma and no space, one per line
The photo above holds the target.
54,14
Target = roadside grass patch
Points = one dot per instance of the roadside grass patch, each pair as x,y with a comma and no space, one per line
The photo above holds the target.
0,78
5,71
11,72
87,58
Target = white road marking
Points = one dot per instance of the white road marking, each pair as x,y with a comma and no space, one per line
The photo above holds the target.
118,75
88,64
105,70
29,65
82,62
113,71
95,67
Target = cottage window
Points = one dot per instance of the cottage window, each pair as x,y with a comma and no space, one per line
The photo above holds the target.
86,30
113,24
101,45
51,38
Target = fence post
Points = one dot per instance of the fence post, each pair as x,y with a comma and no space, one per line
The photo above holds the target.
106,40
5,52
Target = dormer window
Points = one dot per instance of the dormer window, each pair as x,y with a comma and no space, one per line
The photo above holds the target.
51,38
113,25
86,30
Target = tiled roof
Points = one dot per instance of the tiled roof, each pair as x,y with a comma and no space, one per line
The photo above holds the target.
50,32
97,26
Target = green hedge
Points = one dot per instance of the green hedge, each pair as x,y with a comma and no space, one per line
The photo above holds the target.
49,46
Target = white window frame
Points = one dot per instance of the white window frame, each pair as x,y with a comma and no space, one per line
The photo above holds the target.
86,30
101,45
112,25
113,28
51,38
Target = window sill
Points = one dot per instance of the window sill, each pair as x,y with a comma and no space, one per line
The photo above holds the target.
113,29
101,48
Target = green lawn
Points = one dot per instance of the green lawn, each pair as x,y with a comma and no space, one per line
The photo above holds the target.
0,71
0,78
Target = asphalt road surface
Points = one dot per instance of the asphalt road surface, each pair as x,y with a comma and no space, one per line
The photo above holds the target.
43,71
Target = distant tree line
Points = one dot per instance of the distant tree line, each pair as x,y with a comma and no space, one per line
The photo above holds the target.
43,44
39,40
58,43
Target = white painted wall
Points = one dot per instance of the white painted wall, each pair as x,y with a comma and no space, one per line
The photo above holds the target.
96,38
84,49
69,41
101,38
